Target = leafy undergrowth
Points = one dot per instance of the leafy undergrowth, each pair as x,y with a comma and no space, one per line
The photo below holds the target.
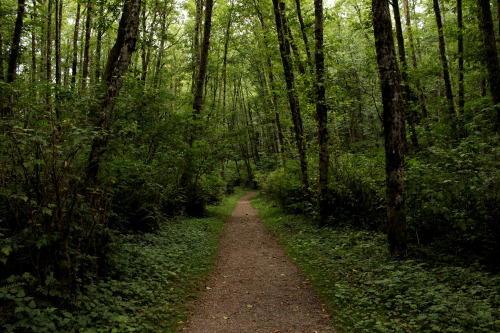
153,279
368,291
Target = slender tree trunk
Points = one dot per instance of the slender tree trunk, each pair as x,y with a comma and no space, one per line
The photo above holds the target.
291,41
2,68
498,18
188,179
271,89
408,94
15,49
7,98
321,112
490,53
393,126
196,41
58,21
202,68
227,36
98,51
286,60
119,59
461,91
33,45
74,62
446,72
303,32
48,57
86,49
418,85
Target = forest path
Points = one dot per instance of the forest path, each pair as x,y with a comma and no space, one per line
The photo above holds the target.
255,286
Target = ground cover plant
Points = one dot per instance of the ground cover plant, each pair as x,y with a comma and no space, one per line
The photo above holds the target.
367,290
152,278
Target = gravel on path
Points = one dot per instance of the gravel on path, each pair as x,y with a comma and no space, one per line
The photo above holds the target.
255,286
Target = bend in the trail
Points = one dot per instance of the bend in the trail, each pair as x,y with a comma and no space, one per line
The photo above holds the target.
255,286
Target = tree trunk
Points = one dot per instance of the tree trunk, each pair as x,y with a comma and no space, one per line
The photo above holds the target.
74,62
461,93
303,32
444,62
15,50
420,90
148,43
227,36
33,45
202,68
48,57
119,59
286,60
490,53
271,89
196,41
498,18
188,177
16,42
86,49
408,94
393,126
58,22
321,113
2,69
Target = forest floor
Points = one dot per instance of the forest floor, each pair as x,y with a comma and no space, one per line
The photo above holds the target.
255,286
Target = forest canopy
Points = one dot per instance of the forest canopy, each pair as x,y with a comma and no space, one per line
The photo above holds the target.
362,114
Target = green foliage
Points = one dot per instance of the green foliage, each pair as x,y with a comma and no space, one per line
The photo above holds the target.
285,188
355,191
368,291
151,280
453,193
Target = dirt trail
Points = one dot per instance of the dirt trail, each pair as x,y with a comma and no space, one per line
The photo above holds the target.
255,286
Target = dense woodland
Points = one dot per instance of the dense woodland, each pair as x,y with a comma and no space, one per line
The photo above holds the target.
117,116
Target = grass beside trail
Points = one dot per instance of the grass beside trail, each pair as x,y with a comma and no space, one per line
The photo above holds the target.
153,279
368,291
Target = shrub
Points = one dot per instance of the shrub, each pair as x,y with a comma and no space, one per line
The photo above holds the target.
284,186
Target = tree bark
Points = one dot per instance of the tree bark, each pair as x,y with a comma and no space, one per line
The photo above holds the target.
202,68
227,36
119,59
321,113
74,62
48,57
58,21
15,50
293,100
393,126
444,62
86,49
409,98
2,69
196,41
411,42
33,45
460,40
271,90
16,42
490,53
303,32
